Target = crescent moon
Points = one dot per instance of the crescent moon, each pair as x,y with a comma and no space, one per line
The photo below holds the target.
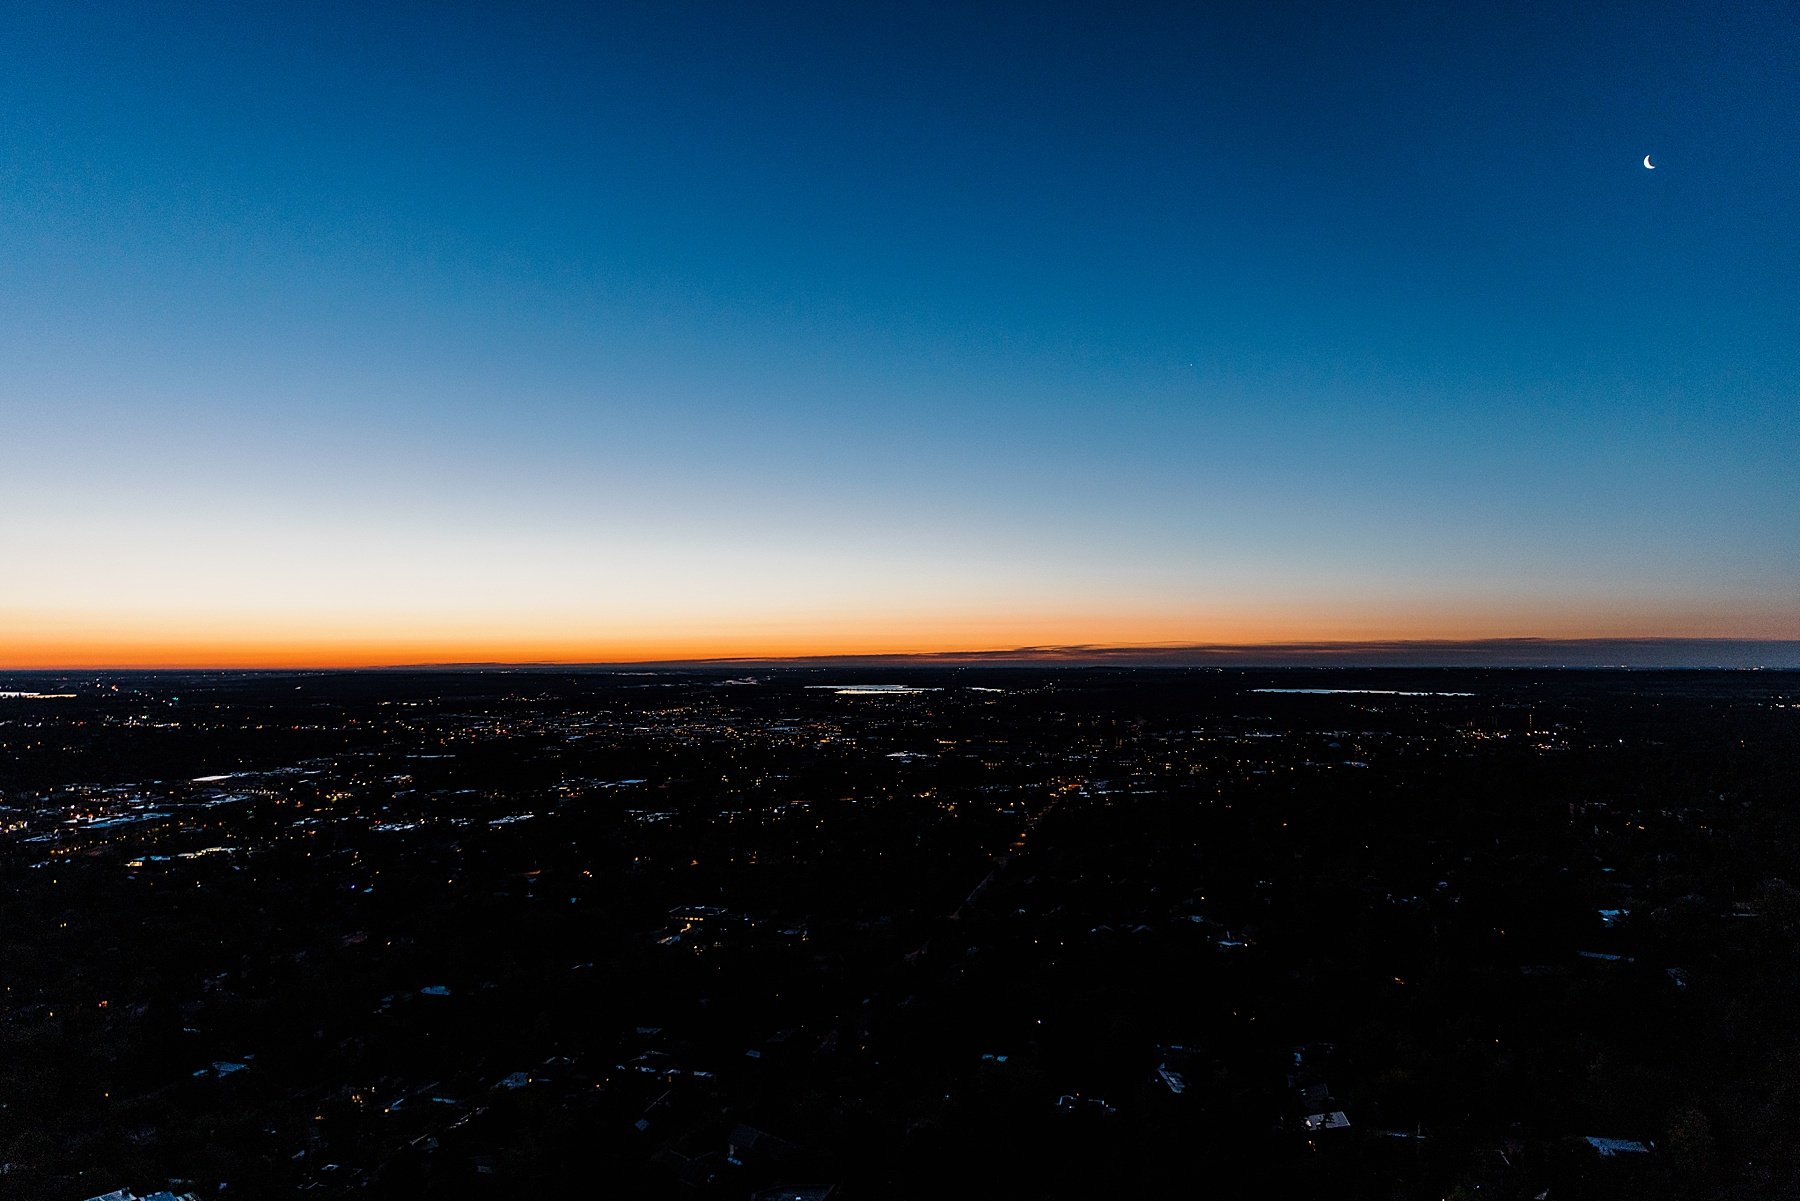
1648,165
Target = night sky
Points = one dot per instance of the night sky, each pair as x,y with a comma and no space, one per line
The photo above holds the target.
393,333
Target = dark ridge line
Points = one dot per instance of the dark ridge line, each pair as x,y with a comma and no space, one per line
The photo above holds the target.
1698,654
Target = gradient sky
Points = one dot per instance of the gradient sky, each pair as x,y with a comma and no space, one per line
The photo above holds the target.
389,333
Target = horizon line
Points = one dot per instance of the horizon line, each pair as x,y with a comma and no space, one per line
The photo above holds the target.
1670,653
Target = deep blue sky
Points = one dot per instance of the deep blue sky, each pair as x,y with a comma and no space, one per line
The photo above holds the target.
905,326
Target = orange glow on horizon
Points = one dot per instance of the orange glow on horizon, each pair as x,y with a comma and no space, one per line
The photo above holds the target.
102,644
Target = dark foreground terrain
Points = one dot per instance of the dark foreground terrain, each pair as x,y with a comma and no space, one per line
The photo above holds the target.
1034,933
